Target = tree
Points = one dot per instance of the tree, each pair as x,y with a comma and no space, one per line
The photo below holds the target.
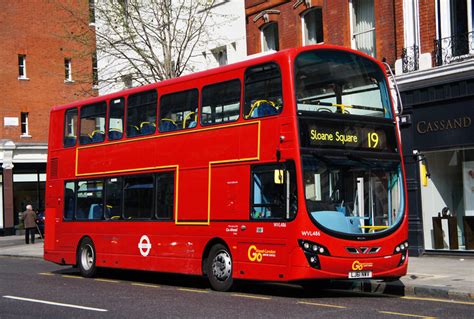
144,41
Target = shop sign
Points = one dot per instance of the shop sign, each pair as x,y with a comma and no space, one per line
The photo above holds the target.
444,126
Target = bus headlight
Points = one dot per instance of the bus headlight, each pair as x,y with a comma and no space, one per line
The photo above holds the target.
312,251
403,250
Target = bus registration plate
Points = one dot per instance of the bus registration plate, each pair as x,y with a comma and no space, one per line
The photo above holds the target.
360,274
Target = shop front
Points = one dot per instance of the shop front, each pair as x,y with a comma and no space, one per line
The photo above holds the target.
438,138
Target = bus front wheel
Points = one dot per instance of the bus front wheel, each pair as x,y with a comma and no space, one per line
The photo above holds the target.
219,268
86,258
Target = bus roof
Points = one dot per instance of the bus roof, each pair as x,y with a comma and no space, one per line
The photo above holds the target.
250,60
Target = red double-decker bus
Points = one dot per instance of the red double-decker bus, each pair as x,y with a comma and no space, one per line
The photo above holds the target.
286,167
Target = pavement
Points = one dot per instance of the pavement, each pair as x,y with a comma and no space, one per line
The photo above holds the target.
440,277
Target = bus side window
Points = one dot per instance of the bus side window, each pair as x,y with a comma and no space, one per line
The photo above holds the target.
89,200
141,113
178,111
113,198
263,91
69,200
93,123
273,192
116,113
221,103
165,195
138,196
70,128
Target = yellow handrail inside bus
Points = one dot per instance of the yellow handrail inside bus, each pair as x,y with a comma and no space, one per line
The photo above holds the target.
187,118
374,228
257,104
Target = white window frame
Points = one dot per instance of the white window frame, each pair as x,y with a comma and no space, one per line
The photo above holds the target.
353,35
68,70
22,66
24,121
411,24
303,26
263,38
443,10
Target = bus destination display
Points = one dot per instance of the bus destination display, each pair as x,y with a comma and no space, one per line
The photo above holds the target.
350,136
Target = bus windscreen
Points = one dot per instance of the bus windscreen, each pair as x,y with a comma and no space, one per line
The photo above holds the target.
342,82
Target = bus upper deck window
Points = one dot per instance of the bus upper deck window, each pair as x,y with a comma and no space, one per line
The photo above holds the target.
178,111
263,91
141,113
220,103
116,115
70,128
93,123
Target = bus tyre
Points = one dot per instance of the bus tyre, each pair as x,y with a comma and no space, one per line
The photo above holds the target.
86,258
219,268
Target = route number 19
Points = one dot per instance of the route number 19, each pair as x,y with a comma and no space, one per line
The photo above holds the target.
373,139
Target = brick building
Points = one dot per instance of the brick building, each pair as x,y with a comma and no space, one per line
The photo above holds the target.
430,46
41,65
366,25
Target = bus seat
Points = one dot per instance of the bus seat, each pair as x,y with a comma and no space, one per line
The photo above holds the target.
97,136
147,128
262,108
95,211
133,131
265,109
115,134
85,139
167,125
69,141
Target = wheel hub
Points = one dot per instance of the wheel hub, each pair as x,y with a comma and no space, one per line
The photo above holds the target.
222,266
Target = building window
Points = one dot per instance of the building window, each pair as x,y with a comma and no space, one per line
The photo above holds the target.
95,72
22,66
313,26
127,80
363,26
67,70
91,12
220,54
270,37
24,124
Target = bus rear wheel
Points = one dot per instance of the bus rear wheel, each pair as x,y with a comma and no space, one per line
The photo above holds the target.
219,268
86,258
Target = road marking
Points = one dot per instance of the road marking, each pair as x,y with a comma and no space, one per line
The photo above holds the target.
405,314
69,276
55,303
251,296
107,280
45,274
194,290
439,300
144,285
320,304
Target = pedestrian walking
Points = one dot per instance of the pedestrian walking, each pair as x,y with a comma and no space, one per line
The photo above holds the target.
29,220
